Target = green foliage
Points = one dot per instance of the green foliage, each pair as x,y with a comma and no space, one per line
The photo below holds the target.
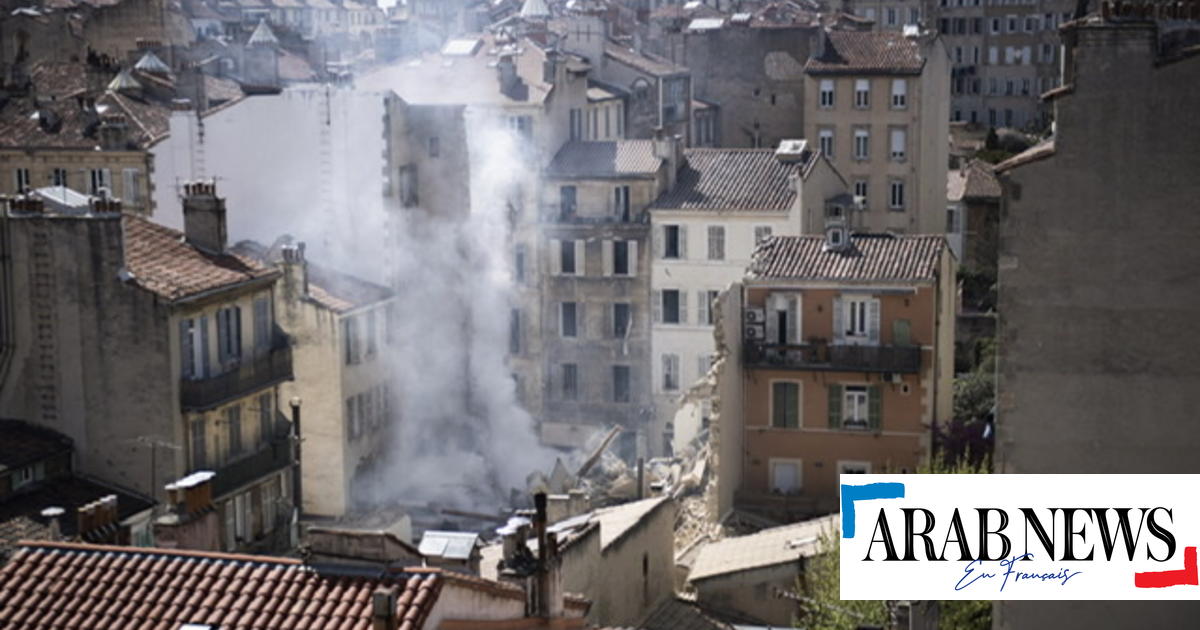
965,615
993,156
992,142
822,607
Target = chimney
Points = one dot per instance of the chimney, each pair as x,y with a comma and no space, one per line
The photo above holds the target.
105,205
204,216
26,204
191,520
536,595
511,84
114,133
383,608
295,271
85,519
52,514
669,149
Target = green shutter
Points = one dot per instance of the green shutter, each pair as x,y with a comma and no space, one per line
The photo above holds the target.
901,332
835,406
793,418
874,407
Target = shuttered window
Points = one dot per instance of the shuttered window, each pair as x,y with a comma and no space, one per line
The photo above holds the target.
785,405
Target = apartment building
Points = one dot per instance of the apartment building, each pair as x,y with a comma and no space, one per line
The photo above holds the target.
1098,330
342,327
590,335
170,363
839,358
705,228
1004,55
888,16
876,105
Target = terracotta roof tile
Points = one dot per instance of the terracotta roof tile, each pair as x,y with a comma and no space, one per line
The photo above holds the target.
867,52
106,595
620,158
1037,152
641,61
977,180
870,257
163,263
731,179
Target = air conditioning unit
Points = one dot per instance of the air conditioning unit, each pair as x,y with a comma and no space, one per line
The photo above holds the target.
755,316
755,333
894,378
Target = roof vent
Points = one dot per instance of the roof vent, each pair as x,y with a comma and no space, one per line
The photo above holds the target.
792,151
837,235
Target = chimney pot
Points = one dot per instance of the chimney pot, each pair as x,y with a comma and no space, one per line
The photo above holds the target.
53,513
204,216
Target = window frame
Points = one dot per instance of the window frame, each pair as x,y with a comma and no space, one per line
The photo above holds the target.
773,416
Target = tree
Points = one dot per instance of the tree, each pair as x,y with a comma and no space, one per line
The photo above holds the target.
821,604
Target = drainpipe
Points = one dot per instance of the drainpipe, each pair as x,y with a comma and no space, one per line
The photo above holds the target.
297,496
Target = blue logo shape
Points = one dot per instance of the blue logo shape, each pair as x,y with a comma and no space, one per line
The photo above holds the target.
850,494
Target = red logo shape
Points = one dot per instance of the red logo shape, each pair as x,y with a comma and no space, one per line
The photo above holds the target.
1188,575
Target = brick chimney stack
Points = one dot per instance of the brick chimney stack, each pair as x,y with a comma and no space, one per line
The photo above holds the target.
114,133
191,520
295,270
204,216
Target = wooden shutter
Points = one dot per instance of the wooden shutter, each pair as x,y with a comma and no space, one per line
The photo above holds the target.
659,241
793,318
633,257
835,406
873,320
606,255
555,257
683,242
204,369
839,320
580,262
222,335
772,319
683,307
186,349
656,305
874,407
901,332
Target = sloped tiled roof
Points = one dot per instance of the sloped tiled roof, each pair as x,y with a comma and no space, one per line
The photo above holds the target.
619,520
336,291
66,585
867,52
1039,151
870,257
766,548
21,514
732,179
642,61
974,181
677,613
59,79
22,443
163,263
619,158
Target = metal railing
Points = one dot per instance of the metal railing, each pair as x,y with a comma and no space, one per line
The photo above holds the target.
833,357
253,373
271,457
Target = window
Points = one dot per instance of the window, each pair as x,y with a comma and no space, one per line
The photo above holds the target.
854,468
21,179
193,348
783,318
1047,53
862,93
993,58
1025,87
826,93
514,331
673,241
522,125
621,257
1012,24
891,16
622,318
862,144
620,383
266,417
567,257
568,319
855,319
914,15
673,306
519,264
761,233
951,220
899,140
353,428
854,407
233,422
262,323
570,381
716,242
995,27
860,191
670,372
60,177
576,124
229,334
1008,87
199,448
566,201
704,306
896,200
24,476
101,182
785,404
1026,55
435,147
825,137
958,54
621,203
977,26
351,341
786,476
1031,23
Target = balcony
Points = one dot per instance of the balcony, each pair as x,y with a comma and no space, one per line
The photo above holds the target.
271,457
833,358
253,374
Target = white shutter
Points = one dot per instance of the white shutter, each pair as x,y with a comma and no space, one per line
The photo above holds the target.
793,319
606,253
633,258
772,320
701,308
659,241
839,320
129,185
580,263
555,257
683,307
683,242
656,305
873,320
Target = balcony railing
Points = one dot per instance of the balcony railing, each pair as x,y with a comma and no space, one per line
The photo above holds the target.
834,357
272,457
252,374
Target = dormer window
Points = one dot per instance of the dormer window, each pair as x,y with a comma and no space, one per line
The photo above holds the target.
836,237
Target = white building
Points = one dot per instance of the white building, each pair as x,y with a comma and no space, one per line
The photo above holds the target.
705,230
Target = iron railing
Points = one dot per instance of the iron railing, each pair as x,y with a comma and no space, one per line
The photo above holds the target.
848,358
254,373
